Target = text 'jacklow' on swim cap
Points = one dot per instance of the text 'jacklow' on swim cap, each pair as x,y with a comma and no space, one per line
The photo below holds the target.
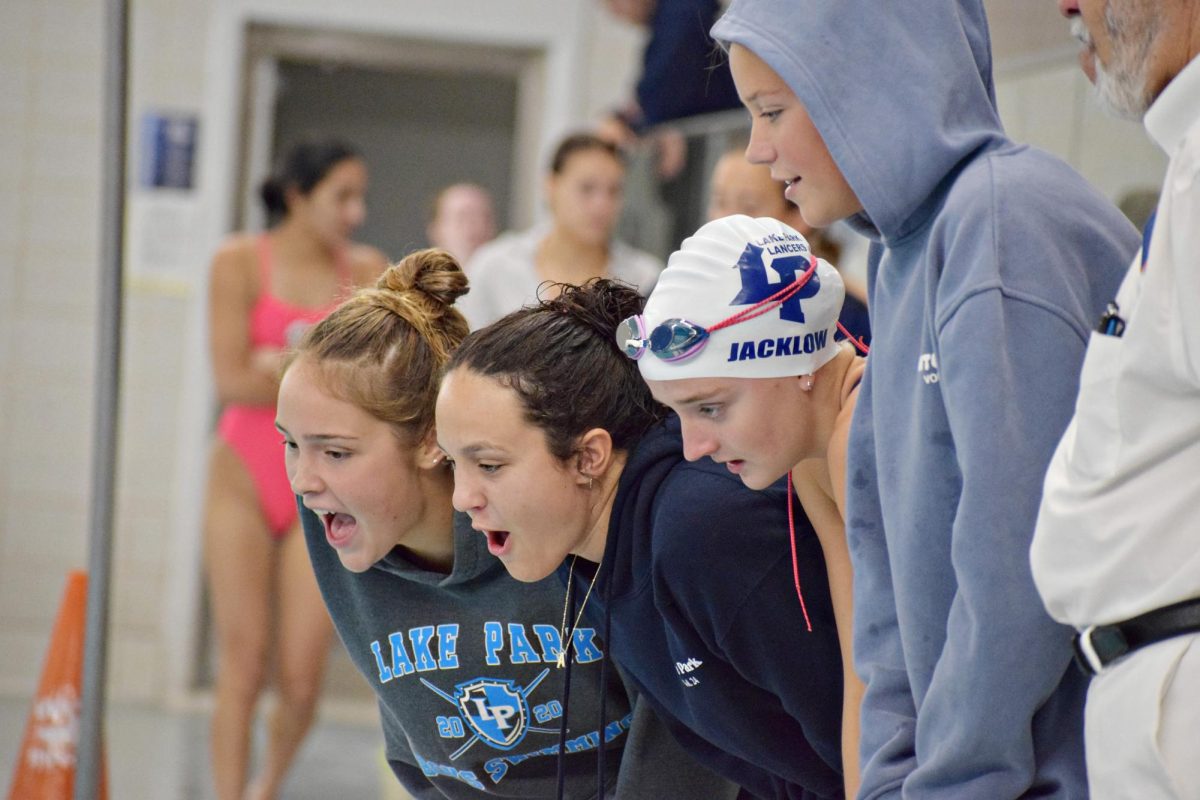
728,266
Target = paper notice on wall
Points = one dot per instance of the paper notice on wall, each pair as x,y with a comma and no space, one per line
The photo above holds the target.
163,245
164,214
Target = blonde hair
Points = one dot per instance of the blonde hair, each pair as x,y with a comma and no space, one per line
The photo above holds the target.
384,349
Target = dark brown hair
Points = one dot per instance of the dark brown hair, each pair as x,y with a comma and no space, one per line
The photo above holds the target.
303,166
384,349
581,143
562,360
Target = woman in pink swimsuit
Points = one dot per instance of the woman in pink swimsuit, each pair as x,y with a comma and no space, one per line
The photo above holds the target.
269,618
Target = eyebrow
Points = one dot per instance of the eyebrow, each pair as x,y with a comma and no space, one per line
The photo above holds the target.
318,437
696,399
473,450
709,396
760,94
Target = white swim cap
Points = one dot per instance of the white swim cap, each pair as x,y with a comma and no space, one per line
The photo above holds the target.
727,267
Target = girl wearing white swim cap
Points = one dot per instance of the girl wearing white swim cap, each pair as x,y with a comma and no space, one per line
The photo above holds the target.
738,339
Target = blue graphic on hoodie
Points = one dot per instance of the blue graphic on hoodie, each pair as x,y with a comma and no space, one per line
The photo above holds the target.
495,710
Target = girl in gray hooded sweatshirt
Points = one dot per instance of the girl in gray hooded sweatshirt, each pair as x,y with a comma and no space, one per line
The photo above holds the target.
990,264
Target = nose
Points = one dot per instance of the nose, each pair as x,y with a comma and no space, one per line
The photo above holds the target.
759,150
466,497
303,478
356,212
1068,8
696,443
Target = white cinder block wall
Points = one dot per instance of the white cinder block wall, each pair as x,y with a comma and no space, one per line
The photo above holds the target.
51,63
51,72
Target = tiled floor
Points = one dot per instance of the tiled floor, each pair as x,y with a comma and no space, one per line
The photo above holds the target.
159,755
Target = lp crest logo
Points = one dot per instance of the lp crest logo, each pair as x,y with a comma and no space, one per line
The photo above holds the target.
494,710
757,287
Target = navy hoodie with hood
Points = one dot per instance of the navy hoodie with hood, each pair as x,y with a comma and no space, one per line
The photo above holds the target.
698,593
990,263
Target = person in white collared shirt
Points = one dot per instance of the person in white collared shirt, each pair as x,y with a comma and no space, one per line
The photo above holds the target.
1117,548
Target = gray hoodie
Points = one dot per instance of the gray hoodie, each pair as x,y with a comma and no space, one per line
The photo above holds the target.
990,263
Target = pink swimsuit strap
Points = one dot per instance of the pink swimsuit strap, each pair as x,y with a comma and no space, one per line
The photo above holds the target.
274,322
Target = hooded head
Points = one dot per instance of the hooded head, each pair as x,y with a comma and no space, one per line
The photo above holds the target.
726,273
900,92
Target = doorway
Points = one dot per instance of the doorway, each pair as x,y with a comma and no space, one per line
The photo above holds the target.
424,114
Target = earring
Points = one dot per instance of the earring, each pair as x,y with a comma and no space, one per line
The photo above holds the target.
806,383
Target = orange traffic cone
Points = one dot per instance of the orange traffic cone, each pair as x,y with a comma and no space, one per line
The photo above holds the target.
46,761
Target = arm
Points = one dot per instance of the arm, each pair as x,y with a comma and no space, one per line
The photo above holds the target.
888,720
1003,657
1179,228
242,376
815,486
732,583
655,765
680,76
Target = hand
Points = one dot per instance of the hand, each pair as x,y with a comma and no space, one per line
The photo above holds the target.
614,130
671,150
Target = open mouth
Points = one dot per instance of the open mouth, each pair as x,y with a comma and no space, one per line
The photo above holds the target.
339,528
497,542
735,466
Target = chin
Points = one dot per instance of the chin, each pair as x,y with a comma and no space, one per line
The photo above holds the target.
355,560
759,480
527,573
753,480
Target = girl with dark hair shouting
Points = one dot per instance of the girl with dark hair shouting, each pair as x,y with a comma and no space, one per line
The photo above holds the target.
565,462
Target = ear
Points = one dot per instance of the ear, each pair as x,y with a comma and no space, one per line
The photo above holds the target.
806,382
292,196
593,455
427,453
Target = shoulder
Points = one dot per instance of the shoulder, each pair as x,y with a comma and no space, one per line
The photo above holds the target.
1029,195
507,250
239,249
366,264
1021,221
704,513
235,263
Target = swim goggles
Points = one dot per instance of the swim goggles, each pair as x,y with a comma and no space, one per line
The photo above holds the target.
677,339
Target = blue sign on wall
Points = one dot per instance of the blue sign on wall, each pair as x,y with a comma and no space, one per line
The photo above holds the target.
168,153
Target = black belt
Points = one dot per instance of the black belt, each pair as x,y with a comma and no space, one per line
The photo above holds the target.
1097,646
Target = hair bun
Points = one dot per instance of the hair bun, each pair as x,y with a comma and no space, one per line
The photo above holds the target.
432,272
599,304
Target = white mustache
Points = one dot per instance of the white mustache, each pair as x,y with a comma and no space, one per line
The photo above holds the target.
1080,32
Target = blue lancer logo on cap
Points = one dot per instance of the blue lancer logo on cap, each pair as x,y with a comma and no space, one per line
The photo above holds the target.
757,286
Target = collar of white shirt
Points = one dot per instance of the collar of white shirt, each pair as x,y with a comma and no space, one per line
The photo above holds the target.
1176,108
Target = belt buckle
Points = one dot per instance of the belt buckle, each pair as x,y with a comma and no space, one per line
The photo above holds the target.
1085,653
1092,655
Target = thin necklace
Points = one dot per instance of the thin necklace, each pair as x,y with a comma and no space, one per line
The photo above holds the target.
565,641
